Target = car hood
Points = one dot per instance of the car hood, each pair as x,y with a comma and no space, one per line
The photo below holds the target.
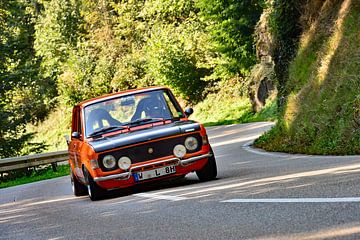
143,135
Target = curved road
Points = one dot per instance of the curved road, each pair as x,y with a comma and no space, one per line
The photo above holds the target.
257,195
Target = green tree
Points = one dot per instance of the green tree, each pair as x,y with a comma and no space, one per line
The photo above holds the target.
96,47
231,25
57,32
177,52
22,91
90,65
173,60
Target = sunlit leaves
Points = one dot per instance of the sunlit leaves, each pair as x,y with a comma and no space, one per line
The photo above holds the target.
77,49
22,90
231,25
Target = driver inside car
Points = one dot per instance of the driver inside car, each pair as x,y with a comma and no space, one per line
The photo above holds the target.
150,107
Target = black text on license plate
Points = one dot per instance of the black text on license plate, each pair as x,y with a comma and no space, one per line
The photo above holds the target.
139,176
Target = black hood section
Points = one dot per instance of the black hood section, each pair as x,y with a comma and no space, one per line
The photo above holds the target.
143,135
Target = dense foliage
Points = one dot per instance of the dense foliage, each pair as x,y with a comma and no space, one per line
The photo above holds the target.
23,92
55,53
231,26
59,52
285,25
92,48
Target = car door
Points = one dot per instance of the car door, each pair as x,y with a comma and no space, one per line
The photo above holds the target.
76,143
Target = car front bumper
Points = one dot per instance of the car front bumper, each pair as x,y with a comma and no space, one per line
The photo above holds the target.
174,161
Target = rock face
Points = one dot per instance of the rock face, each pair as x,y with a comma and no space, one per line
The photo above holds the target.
261,77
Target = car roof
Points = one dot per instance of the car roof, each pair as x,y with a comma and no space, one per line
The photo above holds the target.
118,94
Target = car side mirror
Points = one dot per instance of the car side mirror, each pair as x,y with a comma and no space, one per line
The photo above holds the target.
189,111
75,135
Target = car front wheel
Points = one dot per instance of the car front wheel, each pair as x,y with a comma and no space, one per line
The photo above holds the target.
77,188
95,192
209,171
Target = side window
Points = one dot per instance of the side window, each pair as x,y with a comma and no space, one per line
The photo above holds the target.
170,105
79,129
76,123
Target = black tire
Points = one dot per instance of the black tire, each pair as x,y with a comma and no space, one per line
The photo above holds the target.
209,171
78,188
94,191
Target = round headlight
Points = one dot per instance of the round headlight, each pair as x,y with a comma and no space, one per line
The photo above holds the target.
179,151
191,143
124,163
109,161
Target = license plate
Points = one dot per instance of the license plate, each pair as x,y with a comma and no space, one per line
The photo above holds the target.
140,176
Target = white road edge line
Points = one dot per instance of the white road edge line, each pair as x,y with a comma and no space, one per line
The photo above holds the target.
294,200
248,147
160,197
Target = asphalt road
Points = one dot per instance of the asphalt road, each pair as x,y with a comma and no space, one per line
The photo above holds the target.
257,195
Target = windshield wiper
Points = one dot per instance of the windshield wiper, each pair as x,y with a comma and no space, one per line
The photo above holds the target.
103,130
145,120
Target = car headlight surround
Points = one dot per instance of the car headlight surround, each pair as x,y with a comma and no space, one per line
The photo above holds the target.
109,161
205,140
94,164
191,143
124,163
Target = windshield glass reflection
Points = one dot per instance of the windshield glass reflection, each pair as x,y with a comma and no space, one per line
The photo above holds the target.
130,110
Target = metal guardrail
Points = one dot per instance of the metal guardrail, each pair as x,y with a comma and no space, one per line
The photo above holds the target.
8,164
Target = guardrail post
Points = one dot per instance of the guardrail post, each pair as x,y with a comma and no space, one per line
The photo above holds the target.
54,166
27,171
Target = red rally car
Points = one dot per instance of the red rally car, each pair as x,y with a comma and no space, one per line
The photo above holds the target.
132,137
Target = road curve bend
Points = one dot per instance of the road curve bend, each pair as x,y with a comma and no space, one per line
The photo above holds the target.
257,195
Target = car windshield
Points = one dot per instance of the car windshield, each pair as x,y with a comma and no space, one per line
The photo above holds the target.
130,110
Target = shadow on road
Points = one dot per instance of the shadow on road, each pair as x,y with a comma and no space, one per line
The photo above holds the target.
148,187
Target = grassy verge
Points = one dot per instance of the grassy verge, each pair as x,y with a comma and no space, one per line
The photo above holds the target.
322,113
218,109
43,174
52,131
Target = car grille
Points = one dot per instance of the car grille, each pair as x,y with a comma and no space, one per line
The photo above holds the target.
161,148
